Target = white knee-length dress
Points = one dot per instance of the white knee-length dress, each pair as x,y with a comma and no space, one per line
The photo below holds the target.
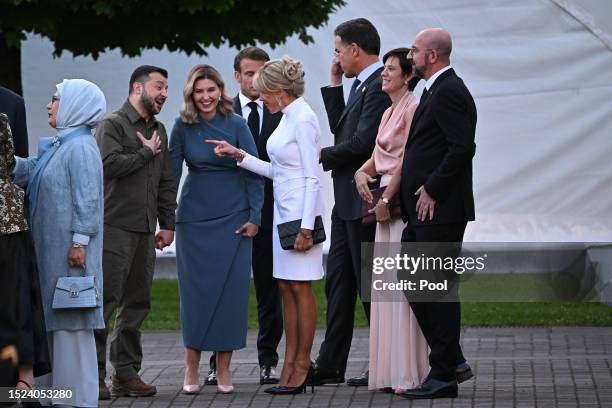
294,169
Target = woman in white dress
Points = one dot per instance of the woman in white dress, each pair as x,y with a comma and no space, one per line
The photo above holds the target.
294,154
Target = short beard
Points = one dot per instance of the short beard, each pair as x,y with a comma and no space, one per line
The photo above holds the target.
147,103
418,73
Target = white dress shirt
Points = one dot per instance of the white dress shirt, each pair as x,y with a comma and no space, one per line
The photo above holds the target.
369,70
246,109
435,76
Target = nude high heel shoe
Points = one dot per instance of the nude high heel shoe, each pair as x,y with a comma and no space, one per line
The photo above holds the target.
190,389
225,389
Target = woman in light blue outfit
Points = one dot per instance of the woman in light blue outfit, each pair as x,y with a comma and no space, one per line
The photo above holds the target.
65,192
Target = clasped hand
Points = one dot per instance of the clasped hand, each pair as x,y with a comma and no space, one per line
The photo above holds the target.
381,209
303,244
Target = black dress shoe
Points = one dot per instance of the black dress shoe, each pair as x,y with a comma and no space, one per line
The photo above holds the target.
360,380
464,372
211,379
267,375
322,376
432,388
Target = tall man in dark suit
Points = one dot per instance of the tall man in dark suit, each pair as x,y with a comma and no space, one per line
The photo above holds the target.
354,124
12,105
269,310
437,198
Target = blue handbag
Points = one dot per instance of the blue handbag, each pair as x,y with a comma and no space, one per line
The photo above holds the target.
76,292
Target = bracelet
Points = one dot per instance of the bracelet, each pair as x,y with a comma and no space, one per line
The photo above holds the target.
77,245
241,155
304,235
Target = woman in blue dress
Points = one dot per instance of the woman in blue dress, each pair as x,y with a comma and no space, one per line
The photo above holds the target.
218,214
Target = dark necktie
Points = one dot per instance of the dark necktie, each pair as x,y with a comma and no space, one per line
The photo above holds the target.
424,96
253,120
353,89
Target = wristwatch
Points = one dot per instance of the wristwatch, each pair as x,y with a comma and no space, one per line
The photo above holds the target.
384,200
77,245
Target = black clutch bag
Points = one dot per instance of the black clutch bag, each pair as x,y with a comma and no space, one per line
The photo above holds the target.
288,232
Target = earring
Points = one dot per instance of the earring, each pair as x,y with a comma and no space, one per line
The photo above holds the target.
278,101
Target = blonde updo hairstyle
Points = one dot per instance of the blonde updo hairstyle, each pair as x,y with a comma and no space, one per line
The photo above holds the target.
285,73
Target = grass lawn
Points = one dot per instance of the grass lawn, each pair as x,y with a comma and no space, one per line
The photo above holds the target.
165,310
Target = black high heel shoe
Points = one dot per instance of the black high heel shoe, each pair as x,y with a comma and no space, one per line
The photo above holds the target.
283,390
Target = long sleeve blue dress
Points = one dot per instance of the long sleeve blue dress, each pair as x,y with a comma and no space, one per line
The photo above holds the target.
213,262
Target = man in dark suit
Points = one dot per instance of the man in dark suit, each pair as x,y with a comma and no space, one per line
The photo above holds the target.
354,125
437,198
269,310
13,106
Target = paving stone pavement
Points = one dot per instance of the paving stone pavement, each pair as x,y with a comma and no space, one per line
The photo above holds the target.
514,367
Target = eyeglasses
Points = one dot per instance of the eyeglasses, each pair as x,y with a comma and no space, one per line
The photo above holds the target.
337,52
412,50
54,98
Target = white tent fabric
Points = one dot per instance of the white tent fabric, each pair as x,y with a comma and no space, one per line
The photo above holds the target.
594,14
540,72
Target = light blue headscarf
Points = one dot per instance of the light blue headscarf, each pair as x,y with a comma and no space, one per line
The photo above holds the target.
82,106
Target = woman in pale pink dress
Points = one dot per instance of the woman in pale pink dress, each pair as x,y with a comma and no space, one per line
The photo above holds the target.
398,350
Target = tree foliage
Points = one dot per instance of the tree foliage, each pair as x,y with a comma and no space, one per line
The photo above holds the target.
90,27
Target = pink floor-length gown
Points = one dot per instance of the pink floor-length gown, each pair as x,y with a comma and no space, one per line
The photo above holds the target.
398,349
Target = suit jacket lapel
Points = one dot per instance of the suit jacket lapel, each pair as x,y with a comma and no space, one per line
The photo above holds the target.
237,106
359,92
421,107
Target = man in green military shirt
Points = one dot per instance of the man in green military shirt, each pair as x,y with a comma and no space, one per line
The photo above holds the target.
139,191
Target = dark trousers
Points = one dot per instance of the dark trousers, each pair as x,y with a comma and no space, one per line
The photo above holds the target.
129,262
269,306
342,283
11,267
440,321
